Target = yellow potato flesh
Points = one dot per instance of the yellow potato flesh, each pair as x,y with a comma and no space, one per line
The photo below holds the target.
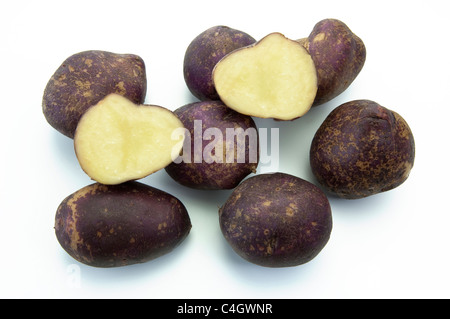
275,78
118,141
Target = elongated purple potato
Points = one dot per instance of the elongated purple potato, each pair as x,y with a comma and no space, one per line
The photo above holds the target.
213,171
339,56
119,225
87,77
362,149
276,220
203,53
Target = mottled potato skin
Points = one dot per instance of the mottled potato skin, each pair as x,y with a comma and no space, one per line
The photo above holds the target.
112,226
204,52
362,149
276,220
339,56
84,79
212,174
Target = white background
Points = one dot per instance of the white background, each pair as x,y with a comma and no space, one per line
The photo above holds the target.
392,245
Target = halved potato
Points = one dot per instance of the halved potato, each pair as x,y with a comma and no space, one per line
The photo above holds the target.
274,78
118,141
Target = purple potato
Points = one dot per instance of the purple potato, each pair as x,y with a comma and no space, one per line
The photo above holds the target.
339,56
202,166
203,53
276,220
362,149
87,77
119,225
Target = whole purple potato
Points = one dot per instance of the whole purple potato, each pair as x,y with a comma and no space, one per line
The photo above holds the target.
203,53
276,220
361,149
119,225
338,55
220,149
87,77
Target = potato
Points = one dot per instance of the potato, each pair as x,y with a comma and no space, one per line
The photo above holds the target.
118,141
362,149
112,226
221,147
276,220
204,52
338,55
84,79
274,78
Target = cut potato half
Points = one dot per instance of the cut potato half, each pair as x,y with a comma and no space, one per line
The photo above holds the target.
118,141
274,78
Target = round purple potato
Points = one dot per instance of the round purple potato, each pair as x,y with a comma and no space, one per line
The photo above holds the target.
204,52
119,225
362,149
276,220
339,56
221,147
87,77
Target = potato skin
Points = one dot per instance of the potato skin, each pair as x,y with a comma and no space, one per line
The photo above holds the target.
362,149
211,174
84,79
339,56
203,53
276,220
112,226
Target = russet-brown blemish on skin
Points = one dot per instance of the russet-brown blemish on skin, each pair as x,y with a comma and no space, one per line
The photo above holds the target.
319,37
88,62
121,88
289,211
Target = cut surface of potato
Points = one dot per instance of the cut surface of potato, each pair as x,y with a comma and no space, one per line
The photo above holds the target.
274,78
118,141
